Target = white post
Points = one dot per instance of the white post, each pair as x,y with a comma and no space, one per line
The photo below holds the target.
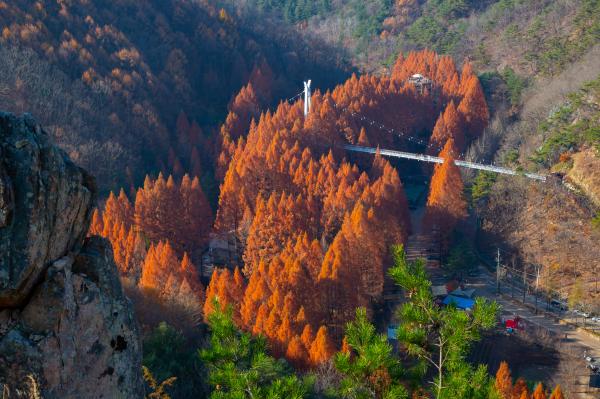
306,98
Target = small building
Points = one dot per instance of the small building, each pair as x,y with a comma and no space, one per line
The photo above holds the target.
223,252
392,332
439,290
420,82
463,293
459,302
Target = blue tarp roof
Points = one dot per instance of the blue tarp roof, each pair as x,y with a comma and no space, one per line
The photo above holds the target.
459,302
391,332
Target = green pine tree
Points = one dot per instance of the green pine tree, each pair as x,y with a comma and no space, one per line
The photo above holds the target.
440,338
369,368
239,366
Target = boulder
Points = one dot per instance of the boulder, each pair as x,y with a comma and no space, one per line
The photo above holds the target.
66,328
45,203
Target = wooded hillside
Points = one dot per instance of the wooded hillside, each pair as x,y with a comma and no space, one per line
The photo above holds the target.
110,78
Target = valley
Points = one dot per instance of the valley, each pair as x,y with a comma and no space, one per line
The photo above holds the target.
300,199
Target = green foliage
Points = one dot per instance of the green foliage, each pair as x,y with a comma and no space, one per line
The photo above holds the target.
511,156
167,354
440,337
481,54
426,31
596,221
511,32
557,52
575,123
441,27
576,294
158,390
488,82
370,15
295,10
429,31
482,185
462,257
515,85
370,369
239,366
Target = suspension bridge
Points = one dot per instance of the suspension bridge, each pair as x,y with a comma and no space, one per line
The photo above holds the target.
409,155
430,158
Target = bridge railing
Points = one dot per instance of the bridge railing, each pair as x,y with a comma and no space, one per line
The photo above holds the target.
430,158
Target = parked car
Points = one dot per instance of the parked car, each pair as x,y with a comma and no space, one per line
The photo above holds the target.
559,304
581,313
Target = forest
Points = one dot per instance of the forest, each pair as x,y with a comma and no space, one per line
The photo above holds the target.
132,67
263,258
314,229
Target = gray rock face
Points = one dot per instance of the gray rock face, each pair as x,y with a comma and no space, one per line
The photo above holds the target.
45,202
66,328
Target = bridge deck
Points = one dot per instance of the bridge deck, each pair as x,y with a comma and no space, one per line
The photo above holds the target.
430,158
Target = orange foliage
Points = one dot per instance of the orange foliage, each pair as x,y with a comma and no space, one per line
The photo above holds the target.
473,107
520,389
539,392
322,348
228,289
296,352
314,228
446,204
174,219
165,210
447,126
557,393
244,108
504,381
172,280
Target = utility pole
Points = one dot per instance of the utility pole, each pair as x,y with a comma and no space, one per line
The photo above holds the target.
307,99
512,283
498,272
524,281
537,284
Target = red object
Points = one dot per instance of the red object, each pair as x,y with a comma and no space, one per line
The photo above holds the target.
511,324
451,285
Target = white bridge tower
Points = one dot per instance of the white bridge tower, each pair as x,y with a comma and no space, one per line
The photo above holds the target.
307,98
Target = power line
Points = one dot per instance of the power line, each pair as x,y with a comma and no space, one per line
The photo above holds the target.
382,127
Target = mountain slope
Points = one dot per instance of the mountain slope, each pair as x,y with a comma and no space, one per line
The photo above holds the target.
109,78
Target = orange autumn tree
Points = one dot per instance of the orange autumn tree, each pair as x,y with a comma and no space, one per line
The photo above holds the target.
171,279
228,289
473,107
446,204
520,389
296,353
503,382
448,125
180,213
154,238
163,210
539,392
322,348
557,393
190,148
242,110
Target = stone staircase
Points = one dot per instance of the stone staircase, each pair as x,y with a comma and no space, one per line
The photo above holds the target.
417,246
423,246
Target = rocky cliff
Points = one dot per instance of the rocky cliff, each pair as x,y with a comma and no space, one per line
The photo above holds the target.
66,328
